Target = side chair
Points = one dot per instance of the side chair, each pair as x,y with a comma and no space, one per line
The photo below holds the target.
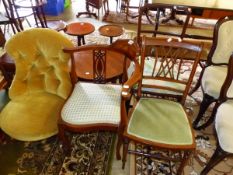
40,85
161,123
16,15
215,71
223,124
99,103
37,9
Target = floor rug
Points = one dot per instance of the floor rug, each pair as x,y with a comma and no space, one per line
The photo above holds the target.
117,17
91,153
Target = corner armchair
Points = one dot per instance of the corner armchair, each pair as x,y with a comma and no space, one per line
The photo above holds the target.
40,85
99,103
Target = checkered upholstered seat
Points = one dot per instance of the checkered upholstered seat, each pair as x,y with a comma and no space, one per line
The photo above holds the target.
93,103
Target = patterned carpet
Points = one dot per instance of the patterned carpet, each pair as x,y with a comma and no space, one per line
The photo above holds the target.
91,154
121,18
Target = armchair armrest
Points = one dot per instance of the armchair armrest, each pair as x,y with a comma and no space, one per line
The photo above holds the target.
135,77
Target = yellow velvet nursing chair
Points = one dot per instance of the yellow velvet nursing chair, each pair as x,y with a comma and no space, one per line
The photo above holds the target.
40,86
158,123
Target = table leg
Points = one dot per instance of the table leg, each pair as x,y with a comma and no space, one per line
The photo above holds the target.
111,39
83,40
79,39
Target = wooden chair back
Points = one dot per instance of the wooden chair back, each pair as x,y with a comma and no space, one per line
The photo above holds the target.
98,71
166,67
221,49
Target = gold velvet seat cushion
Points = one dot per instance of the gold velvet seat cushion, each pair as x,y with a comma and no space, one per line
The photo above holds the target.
160,121
32,116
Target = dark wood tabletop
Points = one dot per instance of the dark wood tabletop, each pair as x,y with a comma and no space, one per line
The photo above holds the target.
111,31
84,65
79,29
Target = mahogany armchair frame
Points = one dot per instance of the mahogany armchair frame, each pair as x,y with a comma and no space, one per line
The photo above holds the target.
127,48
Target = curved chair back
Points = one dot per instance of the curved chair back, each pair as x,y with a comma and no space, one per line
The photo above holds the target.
40,62
223,41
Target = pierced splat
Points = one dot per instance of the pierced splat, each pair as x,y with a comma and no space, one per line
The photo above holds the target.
168,61
99,66
167,66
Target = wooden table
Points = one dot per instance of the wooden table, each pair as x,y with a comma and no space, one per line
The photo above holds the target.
79,29
200,4
84,65
111,31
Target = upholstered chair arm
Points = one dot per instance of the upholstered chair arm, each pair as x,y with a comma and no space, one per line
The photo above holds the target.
227,88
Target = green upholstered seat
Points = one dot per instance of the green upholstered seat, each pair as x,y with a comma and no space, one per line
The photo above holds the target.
160,121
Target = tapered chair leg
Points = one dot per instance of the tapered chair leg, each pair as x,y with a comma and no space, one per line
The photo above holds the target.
118,147
183,162
218,156
207,100
119,143
211,118
65,142
125,152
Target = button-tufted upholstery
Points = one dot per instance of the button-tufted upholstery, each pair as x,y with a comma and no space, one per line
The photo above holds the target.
40,86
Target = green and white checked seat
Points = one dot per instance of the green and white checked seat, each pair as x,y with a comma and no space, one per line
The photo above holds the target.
92,103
